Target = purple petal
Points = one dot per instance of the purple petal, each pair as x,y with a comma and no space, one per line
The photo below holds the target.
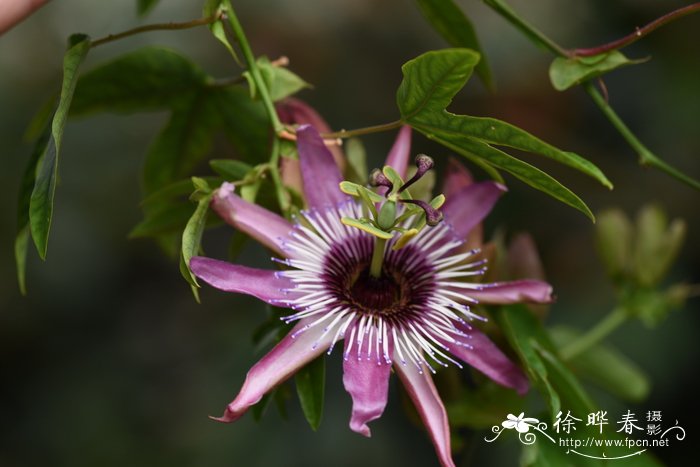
318,170
367,382
468,207
483,355
296,111
503,293
422,391
262,284
457,177
400,151
285,359
264,226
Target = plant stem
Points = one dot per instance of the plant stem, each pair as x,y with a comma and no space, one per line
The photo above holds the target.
375,268
274,168
260,84
363,131
535,35
646,157
156,27
594,335
638,33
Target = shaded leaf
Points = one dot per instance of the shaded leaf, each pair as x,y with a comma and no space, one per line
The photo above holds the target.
167,219
229,169
454,26
182,143
244,122
521,330
280,81
215,7
150,78
42,197
567,72
191,240
311,385
175,190
145,6
606,367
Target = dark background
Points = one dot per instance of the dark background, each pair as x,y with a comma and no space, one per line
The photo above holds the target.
108,360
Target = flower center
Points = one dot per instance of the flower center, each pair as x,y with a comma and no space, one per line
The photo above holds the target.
398,292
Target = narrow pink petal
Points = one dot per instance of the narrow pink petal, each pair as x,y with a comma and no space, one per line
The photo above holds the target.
12,12
285,359
400,152
457,177
483,355
262,284
318,170
367,382
422,391
264,226
468,207
503,293
295,111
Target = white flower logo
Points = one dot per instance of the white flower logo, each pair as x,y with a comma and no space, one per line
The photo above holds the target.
520,423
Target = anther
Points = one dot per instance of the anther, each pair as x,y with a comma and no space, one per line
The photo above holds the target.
423,164
377,178
432,215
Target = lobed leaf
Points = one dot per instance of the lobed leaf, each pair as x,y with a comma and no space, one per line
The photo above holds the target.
151,78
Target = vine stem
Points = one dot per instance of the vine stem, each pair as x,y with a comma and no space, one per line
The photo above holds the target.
156,27
594,335
363,131
646,157
253,68
638,33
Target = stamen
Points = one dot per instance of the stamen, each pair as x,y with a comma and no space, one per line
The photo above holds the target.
423,164
432,215
377,178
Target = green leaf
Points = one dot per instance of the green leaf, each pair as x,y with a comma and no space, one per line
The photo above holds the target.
280,81
657,244
216,7
151,78
614,234
522,330
191,240
229,169
606,367
454,26
244,123
175,190
567,72
311,383
23,201
166,219
145,6
41,201
182,143
431,81
522,170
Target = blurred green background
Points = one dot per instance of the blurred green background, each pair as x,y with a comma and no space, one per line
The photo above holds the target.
109,361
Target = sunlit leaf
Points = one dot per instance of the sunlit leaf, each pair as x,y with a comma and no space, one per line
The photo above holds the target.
41,200
280,81
567,72
454,26
311,385
216,7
